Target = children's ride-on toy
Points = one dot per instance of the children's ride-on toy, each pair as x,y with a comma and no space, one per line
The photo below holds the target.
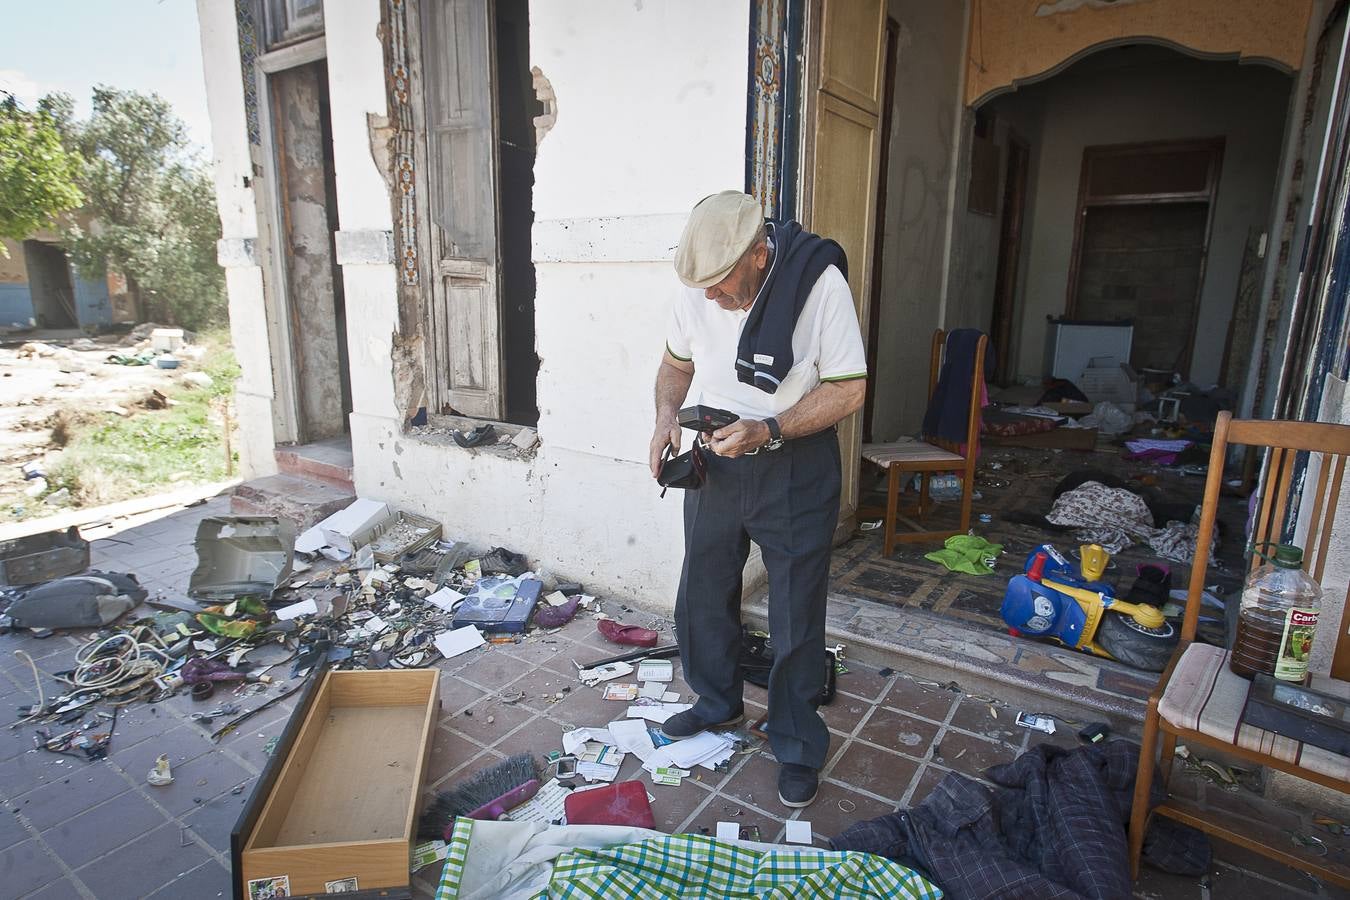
1080,611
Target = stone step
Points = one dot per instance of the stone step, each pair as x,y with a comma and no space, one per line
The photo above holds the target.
300,501
327,461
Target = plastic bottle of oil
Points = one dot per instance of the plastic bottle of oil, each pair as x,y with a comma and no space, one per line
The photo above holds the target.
1277,619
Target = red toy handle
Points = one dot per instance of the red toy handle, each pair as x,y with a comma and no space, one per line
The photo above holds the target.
1038,566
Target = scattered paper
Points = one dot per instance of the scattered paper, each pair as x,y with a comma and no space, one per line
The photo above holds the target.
427,853
375,625
656,670
597,771
609,672
460,640
657,712
445,599
728,831
557,598
669,775
659,759
207,646
670,697
652,690
798,832
545,807
631,736
575,739
596,752
296,610
706,749
621,691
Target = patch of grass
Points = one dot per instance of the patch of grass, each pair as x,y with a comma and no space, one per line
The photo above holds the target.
114,458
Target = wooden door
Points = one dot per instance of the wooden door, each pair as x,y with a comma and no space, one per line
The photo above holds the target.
844,142
1009,253
464,320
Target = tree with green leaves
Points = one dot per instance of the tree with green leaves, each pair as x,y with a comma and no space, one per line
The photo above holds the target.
149,206
37,174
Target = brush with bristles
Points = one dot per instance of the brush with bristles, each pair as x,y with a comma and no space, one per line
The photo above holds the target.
489,793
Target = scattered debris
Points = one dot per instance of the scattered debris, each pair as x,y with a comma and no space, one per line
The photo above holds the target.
160,775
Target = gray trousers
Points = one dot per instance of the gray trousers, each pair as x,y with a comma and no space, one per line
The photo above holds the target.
787,502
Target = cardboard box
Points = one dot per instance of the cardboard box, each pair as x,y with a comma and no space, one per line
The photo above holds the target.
344,528
1107,379
166,340
339,798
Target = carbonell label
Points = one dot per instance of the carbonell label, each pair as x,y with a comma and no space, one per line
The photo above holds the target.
1296,644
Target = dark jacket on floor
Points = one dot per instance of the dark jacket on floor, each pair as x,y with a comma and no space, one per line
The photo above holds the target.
1054,829
764,354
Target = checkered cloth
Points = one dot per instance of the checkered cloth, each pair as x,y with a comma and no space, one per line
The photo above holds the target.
691,865
1053,829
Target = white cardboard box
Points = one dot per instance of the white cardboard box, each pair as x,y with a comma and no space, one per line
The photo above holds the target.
339,528
1110,381
166,340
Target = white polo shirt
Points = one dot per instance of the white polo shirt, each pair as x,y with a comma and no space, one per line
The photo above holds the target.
826,346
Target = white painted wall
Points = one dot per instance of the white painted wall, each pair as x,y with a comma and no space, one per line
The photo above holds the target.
233,170
651,118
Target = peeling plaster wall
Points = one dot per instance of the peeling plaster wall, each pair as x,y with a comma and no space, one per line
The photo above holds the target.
610,201
924,126
233,172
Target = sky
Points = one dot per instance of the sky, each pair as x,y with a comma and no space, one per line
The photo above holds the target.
72,45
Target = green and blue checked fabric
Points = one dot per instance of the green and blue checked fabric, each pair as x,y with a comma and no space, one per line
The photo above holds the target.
695,866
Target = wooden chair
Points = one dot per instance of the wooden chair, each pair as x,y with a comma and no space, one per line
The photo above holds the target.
1198,699
926,457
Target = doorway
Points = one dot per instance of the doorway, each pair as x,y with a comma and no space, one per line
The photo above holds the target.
1009,253
1142,238
50,285
315,305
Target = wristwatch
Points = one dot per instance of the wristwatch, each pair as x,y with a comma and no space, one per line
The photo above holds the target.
775,434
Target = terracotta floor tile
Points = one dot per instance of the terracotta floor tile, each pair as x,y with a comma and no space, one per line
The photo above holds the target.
908,696
971,755
725,809
836,808
878,771
899,732
974,716
844,713
864,681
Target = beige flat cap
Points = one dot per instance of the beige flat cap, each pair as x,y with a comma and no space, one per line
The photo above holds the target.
718,232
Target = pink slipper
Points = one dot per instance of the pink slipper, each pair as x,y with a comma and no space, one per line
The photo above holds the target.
634,635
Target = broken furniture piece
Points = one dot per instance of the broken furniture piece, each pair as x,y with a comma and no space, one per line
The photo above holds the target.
928,456
338,798
35,558
239,556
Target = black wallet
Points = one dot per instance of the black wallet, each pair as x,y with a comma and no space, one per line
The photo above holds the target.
685,471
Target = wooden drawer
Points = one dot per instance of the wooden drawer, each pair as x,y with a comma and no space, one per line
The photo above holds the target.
339,798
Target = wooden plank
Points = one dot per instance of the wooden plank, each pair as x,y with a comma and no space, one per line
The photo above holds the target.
274,811
375,864
394,687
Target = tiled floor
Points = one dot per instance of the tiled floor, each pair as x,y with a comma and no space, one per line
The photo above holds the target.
82,829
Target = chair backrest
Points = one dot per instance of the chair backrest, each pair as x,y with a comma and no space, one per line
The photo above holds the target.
976,384
1304,463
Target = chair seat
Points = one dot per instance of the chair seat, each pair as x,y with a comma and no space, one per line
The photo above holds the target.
1205,695
908,452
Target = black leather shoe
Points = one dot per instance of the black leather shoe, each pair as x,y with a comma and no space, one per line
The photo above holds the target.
689,723
797,785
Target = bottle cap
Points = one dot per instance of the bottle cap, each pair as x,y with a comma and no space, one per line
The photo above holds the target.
1287,556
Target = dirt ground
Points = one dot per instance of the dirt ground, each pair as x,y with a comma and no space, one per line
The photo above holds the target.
53,382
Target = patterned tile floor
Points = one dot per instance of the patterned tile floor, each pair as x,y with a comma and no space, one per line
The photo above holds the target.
81,829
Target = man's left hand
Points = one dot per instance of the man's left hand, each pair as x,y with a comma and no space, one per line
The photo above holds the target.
739,438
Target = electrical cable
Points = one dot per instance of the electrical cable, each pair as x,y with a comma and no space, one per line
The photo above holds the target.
41,706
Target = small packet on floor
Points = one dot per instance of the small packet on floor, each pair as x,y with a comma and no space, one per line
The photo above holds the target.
1036,722
621,691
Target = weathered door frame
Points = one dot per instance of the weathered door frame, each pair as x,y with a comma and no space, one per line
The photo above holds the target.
1012,217
287,421
829,92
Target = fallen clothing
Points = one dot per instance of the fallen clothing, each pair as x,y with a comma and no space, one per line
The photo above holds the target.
1054,828
1116,518
523,859
967,553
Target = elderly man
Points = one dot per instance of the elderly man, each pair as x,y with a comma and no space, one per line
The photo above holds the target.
766,330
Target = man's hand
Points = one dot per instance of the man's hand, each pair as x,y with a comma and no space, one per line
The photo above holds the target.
667,433
739,438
